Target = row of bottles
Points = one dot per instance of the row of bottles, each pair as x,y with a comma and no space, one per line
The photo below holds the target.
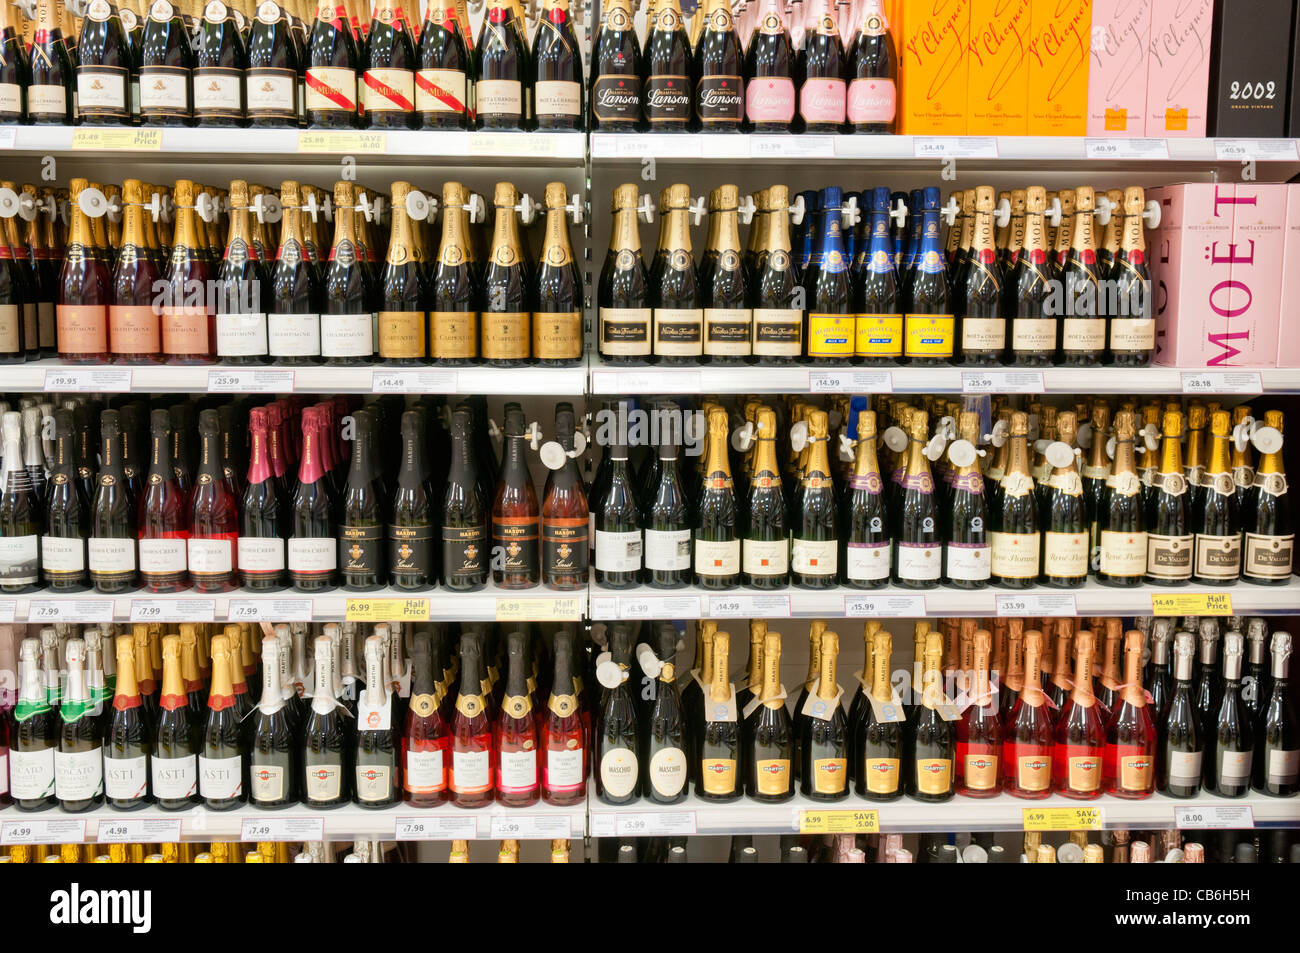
1023,278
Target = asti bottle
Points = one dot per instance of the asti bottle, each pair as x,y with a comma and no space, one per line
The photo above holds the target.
929,329
873,74
717,539
617,66
1269,542
667,99
623,294
103,67
557,304
831,332
1080,736
442,68
331,69
1277,765
674,287
501,69
1027,734
388,71
174,777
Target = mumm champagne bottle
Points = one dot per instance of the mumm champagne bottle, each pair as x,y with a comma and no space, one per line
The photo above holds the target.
388,77
616,70
103,67
454,309
674,289
769,63
331,78
623,294
506,313
441,87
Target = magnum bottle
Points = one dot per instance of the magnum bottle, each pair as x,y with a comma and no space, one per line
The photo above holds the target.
557,69
776,286
332,62
1132,328
674,289
724,284
166,68
1169,520
929,329
464,515
616,70
769,64
668,101
273,76
718,67
103,67
389,64
443,65
501,69
557,313
506,313
220,58
623,294
454,311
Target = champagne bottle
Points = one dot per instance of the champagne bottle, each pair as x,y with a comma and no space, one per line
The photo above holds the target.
919,548
667,520
272,78
388,79
166,67
776,287
1230,743
879,322
983,325
78,762
557,69
1123,537
331,69
765,549
1181,743
164,517
1029,287
967,549
873,71
863,531
1015,538
501,68
718,65
929,328
617,769
313,548
771,737
663,748
506,315
21,516
717,535
220,58
814,551
15,69
454,316
346,323
50,90
293,324
1027,737
1132,328
1083,328
617,67
1169,519
723,280
1080,735
822,67
769,65
241,326
85,288
1278,734
618,530
668,102
464,515
1266,520
824,748
674,287
103,67
213,518
557,315
1216,521
263,523
933,740
623,294
831,331
444,60
1065,533
404,295
561,731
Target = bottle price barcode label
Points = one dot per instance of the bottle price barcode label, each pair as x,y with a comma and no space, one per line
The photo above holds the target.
511,144
659,607
1063,818
839,822
173,610
749,607
1002,382
955,147
1241,150
655,824
70,610
1126,149
348,142
898,607
139,830
269,610
249,381
42,830
282,829
1222,382
667,380
850,382
1191,603
87,380
538,609
414,382
1036,604
532,827
791,147
387,610
8,608
1214,817
435,828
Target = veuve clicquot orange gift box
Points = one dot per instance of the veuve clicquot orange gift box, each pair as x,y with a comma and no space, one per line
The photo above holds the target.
1058,67
933,66
998,67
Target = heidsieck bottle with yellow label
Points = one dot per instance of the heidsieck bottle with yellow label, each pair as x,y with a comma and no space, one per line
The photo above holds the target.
776,291
403,294
831,322
724,290
674,288
557,314
454,310
506,327
929,328
878,325
624,296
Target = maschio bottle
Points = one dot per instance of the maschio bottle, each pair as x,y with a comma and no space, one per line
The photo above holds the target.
103,67
775,288
441,88
668,101
557,310
719,90
674,290
831,333
769,63
623,294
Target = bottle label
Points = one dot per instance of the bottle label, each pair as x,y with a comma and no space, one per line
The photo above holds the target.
81,329
454,334
360,549
63,555
668,99
1268,557
11,327
617,98
388,90
566,546
878,335
162,557
1032,763
1218,557
969,562
668,772
471,772
499,98
765,557
31,774
164,90
830,775
1283,766
927,335
133,329
175,778
1243,477
241,335
873,100
979,766
720,99
773,776
401,334
313,555
920,562
1015,555
618,772
1079,766
718,775
668,550
1234,767
1169,557
778,332
717,558
185,331
1136,772
1123,554
1065,555
831,335
331,89
462,553
552,97
270,92
410,552
261,555
440,91
374,782
346,335
1132,334
933,775
679,332
557,335
78,775
770,99
618,552
983,334
813,557
1033,334
324,783
881,774
424,772
220,778
1185,768
625,331
20,560
727,330
517,771
506,335
126,778
101,91
266,782
293,335
1083,334
217,92
564,770
43,100
822,100
515,544
867,562
210,557
11,98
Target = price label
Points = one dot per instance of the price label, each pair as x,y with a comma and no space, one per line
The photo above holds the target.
345,142
173,610
659,607
130,140
41,830
139,830
1214,817
70,610
850,382
8,608
1036,604
1062,818
497,145
1126,149
655,824
249,381
898,607
1222,382
539,609
269,610
839,822
254,829
414,382
1002,382
749,607
387,610
435,828
666,380
532,826
604,607
791,147
87,380
8,137
1191,603
955,147
1266,150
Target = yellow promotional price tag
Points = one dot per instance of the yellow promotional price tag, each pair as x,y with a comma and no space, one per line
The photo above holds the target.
343,142
1191,603
143,140
511,144
1062,818
538,610
839,822
388,610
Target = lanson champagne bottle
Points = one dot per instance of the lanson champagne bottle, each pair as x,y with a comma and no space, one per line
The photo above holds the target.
769,63
667,69
616,71
873,74
719,90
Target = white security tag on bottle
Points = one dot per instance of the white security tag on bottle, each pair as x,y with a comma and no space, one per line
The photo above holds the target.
1059,454
648,661
895,439
962,453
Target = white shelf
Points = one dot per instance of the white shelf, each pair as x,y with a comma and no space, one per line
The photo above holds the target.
644,602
